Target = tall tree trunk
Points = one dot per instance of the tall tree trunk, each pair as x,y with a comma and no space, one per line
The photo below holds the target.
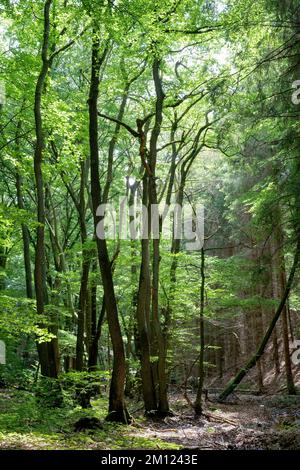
258,331
163,404
3,261
276,352
198,401
143,309
81,312
85,269
117,407
94,346
132,328
26,241
280,273
220,354
275,295
92,333
48,352
25,230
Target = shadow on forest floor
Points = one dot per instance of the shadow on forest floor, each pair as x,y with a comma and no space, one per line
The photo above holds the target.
249,422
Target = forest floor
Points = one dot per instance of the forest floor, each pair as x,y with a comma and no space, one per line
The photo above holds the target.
246,422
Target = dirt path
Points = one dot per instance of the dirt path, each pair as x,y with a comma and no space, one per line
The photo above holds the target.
246,423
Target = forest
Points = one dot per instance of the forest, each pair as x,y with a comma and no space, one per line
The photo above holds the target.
149,225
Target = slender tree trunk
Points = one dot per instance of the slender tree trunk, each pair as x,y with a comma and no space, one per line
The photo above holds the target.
143,308
48,352
287,359
132,329
198,401
25,230
220,355
163,404
258,331
275,295
92,330
281,275
26,241
290,322
94,347
3,261
81,312
276,352
117,407
85,270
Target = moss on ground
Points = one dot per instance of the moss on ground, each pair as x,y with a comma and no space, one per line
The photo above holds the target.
26,425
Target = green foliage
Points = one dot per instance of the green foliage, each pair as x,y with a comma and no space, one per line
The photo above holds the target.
48,393
227,117
18,316
26,425
83,384
20,368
